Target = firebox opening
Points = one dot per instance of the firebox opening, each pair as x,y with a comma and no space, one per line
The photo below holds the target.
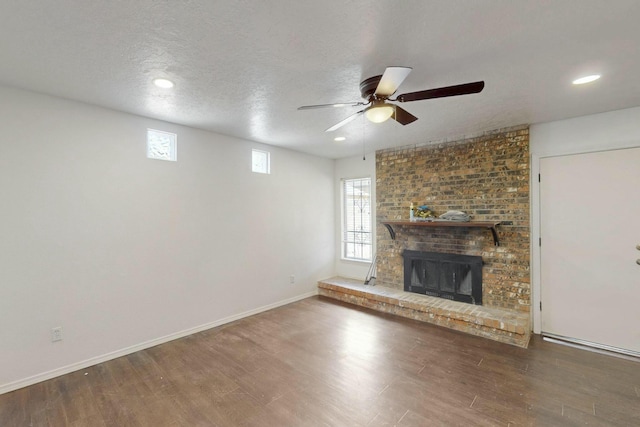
450,276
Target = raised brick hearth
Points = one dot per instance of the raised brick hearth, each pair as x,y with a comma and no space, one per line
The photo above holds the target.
507,326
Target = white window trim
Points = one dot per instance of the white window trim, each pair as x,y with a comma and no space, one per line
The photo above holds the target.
343,242
268,171
174,150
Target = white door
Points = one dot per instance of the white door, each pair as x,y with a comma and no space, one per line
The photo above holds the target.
590,226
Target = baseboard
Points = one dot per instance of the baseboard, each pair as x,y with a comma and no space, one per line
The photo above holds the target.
15,385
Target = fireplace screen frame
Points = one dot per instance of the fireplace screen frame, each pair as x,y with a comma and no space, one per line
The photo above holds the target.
451,276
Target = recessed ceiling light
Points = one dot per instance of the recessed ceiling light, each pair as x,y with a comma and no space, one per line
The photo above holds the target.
586,79
339,138
163,83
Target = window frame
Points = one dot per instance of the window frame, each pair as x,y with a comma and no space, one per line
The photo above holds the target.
173,149
268,156
344,240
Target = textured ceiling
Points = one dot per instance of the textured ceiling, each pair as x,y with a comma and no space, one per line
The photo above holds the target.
242,68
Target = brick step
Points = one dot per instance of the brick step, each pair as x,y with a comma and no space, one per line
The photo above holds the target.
498,324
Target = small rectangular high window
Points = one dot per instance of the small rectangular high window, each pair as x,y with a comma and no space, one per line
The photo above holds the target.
162,145
260,161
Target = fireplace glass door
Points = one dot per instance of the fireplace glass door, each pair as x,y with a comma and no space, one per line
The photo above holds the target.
449,276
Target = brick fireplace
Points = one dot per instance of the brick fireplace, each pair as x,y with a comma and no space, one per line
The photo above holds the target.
486,176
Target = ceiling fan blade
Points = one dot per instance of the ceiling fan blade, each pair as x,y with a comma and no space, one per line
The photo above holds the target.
344,122
391,80
336,105
463,89
402,116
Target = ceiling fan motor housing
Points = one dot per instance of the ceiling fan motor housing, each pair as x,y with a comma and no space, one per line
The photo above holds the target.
368,87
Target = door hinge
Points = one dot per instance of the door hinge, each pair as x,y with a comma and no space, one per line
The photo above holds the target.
539,241
540,305
539,178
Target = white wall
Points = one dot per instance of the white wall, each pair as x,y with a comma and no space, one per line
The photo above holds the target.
353,167
125,252
598,132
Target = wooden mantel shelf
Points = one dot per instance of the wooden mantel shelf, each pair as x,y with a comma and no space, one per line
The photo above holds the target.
472,224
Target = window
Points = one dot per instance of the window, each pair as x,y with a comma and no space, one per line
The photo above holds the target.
356,220
260,161
162,145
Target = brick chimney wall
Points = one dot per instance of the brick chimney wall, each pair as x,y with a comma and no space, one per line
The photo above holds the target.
486,176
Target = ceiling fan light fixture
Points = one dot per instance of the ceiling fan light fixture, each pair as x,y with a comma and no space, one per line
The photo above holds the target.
379,113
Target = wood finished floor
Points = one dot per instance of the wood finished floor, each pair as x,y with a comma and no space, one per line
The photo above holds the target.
319,362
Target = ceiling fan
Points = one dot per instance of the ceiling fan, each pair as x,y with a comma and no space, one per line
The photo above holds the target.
377,91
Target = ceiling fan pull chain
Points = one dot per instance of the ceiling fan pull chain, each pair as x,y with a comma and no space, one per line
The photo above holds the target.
364,123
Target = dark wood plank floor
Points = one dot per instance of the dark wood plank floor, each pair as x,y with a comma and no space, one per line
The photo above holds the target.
319,362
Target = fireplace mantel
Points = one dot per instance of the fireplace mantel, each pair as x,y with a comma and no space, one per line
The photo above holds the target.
472,224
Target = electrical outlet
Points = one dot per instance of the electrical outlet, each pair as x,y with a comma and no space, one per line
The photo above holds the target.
56,334
292,279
